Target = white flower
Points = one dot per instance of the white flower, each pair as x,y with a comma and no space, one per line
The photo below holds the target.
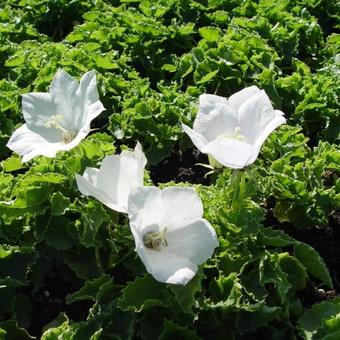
112,182
57,120
170,234
232,131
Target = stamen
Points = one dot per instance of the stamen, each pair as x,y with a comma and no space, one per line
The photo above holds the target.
155,240
54,122
235,135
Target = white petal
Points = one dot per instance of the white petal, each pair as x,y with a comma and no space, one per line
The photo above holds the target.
144,208
215,117
87,185
180,206
209,102
111,184
88,88
63,91
38,108
93,111
195,241
140,156
29,144
198,140
118,175
271,126
229,152
88,97
254,115
238,98
167,268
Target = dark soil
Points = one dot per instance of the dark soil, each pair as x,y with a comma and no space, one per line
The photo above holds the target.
181,167
50,301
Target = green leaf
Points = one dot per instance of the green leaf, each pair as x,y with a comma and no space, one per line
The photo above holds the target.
57,234
14,265
72,331
90,290
15,60
207,77
297,274
315,318
2,334
93,215
185,295
256,316
13,163
313,263
13,331
105,62
174,331
143,293
209,33
275,238
59,204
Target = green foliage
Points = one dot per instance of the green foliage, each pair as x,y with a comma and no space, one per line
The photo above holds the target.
321,321
153,59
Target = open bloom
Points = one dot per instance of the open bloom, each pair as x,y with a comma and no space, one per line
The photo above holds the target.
112,182
232,131
170,234
57,120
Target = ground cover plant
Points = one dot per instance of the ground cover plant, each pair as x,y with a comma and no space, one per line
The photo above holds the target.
68,268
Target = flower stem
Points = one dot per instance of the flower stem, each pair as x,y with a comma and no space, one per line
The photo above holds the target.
238,187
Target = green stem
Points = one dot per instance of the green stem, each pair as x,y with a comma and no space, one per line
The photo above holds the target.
242,186
238,182
235,179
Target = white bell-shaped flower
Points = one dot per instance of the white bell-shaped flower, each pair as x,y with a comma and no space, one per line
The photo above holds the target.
232,131
112,182
170,234
57,120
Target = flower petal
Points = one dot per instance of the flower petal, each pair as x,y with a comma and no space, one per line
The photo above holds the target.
141,159
93,111
38,108
168,268
230,152
88,97
180,206
211,102
111,184
195,241
254,115
63,91
29,144
144,208
215,117
87,185
238,98
198,140
271,126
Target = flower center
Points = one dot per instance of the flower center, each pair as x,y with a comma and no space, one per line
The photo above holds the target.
235,135
155,240
54,122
